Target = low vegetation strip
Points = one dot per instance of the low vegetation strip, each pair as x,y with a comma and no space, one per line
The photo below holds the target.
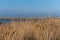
35,29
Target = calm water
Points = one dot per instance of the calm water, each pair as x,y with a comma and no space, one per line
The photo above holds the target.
4,21
24,15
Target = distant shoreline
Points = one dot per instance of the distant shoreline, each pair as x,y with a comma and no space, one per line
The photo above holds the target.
6,20
24,17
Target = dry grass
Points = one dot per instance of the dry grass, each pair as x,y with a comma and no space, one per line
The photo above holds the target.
35,29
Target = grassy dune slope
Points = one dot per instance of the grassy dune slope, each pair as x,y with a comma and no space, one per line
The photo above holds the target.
36,29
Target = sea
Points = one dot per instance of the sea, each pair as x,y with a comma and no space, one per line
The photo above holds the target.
5,21
23,15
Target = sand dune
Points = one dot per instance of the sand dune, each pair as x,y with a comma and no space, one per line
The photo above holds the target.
35,29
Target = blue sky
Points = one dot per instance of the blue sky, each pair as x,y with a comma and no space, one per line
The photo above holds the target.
29,6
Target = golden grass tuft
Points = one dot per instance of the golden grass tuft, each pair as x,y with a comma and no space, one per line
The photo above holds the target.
35,29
